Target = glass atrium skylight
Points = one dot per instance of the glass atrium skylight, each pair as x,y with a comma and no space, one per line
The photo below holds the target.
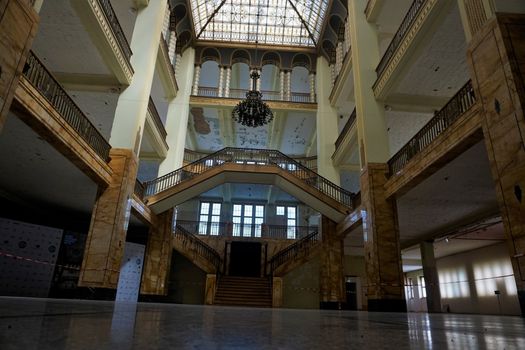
278,22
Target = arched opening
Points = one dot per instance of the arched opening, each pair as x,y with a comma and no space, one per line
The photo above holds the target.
209,79
270,82
240,80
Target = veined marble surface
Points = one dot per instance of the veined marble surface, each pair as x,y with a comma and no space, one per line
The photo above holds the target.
27,323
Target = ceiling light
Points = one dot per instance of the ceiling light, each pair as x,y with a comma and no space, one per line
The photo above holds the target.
252,111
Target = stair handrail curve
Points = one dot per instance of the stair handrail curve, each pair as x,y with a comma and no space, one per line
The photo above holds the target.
201,248
286,254
251,156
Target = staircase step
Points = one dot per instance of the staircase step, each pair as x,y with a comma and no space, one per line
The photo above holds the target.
244,291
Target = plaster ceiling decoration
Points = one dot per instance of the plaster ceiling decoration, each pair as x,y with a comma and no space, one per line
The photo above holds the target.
277,22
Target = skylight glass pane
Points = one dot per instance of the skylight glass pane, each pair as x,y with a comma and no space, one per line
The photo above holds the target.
280,22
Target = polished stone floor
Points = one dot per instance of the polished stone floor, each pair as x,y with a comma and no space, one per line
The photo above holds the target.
27,323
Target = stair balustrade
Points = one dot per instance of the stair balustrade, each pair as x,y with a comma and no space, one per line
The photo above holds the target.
198,246
251,157
301,248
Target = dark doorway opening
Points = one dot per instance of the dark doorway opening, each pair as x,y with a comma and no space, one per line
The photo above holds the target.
351,296
245,259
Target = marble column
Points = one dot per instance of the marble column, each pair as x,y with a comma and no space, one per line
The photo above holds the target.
312,86
381,240
288,82
178,58
277,292
495,56
157,259
347,36
332,74
258,84
228,81
166,24
338,57
210,289
431,276
109,223
196,80
19,24
281,84
221,81
331,277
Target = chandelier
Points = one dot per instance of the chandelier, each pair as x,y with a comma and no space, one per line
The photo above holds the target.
252,111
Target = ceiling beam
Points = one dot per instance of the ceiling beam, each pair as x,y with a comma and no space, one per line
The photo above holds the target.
303,22
211,17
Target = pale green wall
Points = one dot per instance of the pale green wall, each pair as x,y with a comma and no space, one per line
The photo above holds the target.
187,282
301,286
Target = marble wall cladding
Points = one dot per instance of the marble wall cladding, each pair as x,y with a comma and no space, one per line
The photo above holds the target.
331,274
18,25
381,236
157,259
211,288
277,292
496,57
109,223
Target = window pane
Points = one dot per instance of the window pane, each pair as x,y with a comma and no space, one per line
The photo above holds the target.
236,229
215,218
214,227
237,210
291,212
291,222
290,232
236,219
203,218
248,209
246,230
259,211
216,209
205,208
203,226
280,211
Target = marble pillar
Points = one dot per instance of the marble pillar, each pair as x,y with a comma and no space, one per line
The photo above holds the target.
18,26
431,276
258,84
227,82
196,79
338,57
312,87
288,83
381,240
221,81
211,288
281,84
331,277
109,223
496,56
277,292
172,44
157,259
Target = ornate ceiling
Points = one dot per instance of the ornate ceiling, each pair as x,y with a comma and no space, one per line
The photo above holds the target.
275,22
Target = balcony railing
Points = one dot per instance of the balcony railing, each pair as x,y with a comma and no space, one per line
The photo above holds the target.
251,157
110,15
409,19
455,107
156,118
298,249
349,123
299,97
193,243
192,156
37,74
229,229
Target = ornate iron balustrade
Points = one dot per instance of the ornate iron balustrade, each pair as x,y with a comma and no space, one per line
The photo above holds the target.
299,97
230,229
152,109
349,123
110,15
300,248
455,107
37,74
192,156
403,29
252,157
197,245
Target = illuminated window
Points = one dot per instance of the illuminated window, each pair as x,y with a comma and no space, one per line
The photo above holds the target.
422,287
290,214
209,218
410,288
248,220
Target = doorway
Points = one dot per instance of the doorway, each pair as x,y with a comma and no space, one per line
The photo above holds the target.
245,259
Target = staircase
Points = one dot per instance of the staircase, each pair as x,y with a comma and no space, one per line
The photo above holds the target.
195,250
295,254
244,291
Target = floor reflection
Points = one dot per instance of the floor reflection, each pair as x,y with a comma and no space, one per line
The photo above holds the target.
74,324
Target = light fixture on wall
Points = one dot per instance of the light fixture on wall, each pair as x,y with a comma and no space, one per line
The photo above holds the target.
252,111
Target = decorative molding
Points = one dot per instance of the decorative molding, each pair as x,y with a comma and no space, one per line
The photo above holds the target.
372,9
167,71
385,78
104,38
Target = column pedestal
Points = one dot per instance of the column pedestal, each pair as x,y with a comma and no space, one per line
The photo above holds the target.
332,271
381,238
157,260
496,58
109,224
